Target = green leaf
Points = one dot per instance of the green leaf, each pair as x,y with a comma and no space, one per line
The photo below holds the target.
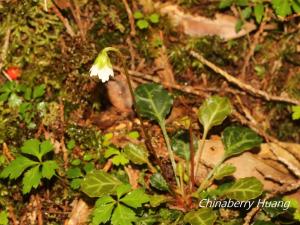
296,112
244,189
282,7
136,153
224,170
31,147
75,183
14,100
238,139
242,2
119,160
142,24
71,144
156,200
181,144
17,167
203,216
123,216
89,167
262,222
154,18
48,169
153,102
138,15
296,5
246,13
39,91
3,218
135,198
32,179
74,173
45,147
111,151
238,26
4,97
98,183
157,181
214,111
225,4
103,210
123,189
259,12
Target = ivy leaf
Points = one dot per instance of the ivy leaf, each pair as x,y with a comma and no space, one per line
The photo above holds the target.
48,169
153,102
238,139
281,7
225,4
224,170
17,167
259,12
203,216
136,198
136,153
157,181
243,189
39,91
296,112
123,216
32,179
103,210
214,111
98,183
31,147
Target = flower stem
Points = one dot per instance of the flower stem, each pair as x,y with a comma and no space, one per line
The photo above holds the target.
199,153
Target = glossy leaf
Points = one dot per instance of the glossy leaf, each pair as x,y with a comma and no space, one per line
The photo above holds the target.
244,189
136,153
157,181
224,170
203,216
153,102
99,183
214,111
238,139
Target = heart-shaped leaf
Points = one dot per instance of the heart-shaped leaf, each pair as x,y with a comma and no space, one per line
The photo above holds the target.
243,189
238,139
203,216
99,183
153,102
214,111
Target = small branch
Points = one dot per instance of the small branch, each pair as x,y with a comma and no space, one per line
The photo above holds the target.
246,87
63,20
130,18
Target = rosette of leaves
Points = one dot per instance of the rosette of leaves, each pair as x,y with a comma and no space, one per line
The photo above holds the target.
32,163
143,22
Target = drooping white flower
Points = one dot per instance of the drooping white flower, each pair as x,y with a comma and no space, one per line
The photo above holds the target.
102,67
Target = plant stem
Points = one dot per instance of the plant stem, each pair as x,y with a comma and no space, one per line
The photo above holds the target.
145,135
199,153
207,180
192,155
171,154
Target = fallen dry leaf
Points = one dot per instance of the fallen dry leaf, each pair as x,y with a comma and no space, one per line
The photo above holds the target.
199,26
79,214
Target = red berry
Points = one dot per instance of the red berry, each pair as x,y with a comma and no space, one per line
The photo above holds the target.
13,72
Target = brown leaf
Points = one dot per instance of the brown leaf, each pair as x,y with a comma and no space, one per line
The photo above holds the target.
79,214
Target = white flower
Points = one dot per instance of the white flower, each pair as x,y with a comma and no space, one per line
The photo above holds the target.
102,67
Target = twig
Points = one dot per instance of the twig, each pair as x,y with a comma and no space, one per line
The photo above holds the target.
246,87
63,20
39,210
130,18
255,41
